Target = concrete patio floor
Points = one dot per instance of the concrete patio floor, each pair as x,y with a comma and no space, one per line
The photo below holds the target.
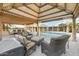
73,49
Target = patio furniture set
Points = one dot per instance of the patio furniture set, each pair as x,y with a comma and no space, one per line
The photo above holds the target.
28,45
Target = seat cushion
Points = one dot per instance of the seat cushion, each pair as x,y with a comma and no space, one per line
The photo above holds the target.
30,45
37,38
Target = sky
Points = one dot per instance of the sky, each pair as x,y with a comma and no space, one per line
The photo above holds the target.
56,23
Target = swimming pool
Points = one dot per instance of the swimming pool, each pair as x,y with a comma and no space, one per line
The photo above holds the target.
53,33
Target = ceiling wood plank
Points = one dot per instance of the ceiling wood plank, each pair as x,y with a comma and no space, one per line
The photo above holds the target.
1,7
61,18
29,8
66,10
48,9
65,4
55,16
24,12
43,5
11,18
75,8
52,20
14,22
51,13
17,15
36,5
76,12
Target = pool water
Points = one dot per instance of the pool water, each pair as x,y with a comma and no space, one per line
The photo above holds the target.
53,33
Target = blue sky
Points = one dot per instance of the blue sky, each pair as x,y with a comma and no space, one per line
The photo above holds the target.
54,23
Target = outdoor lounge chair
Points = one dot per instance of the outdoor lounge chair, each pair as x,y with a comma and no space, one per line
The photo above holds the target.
27,35
56,46
37,39
29,46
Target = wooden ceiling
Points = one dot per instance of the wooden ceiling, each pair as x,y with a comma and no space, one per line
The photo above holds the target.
28,13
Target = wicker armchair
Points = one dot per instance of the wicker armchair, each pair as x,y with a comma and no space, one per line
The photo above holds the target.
56,46
30,46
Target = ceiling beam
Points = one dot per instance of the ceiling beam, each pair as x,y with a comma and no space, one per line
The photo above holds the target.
15,4
55,16
51,13
52,20
43,5
66,10
47,9
1,7
75,8
14,22
36,5
61,18
17,15
29,8
9,18
76,12
65,4
24,11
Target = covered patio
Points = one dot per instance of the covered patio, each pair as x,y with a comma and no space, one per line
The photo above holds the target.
36,13
31,13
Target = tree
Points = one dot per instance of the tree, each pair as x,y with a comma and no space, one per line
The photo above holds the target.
62,24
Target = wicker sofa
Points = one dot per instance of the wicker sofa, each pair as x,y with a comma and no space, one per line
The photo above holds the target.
29,46
29,36
56,46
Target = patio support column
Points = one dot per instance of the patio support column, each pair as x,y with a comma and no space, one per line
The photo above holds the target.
58,29
67,26
52,28
63,28
38,31
1,29
32,29
47,29
74,29
67,29
43,29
